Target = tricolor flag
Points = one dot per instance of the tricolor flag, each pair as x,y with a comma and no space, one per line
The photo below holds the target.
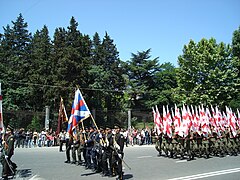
79,112
1,116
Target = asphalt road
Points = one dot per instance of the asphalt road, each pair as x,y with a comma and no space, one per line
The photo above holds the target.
47,163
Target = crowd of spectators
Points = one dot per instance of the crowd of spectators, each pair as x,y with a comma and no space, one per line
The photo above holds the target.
47,138
145,136
28,139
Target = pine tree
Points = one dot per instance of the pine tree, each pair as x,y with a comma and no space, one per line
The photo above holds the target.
41,71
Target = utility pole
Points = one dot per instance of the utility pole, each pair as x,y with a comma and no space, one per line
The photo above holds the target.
129,119
47,117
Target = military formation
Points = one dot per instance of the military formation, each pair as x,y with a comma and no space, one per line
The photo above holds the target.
199,144
100,150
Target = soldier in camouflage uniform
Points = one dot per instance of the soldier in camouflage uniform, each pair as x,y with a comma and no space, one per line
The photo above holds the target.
170,147
181,149
220,146
158,145
164,146
175,145
213,145
205,145
238,139
198,148
232,144
189,145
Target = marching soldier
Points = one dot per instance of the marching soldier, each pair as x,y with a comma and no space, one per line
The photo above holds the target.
9,167
198,149
181,141
205,145
189,145
238,139
164,146
75,146
158,145
118,152
107,155
220,144
69,141
80,149
100,141
212,142
89,151
232,144
174,143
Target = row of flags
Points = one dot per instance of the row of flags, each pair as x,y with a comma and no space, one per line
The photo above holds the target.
197,119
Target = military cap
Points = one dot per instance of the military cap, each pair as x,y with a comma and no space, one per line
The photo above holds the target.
107,128
116,127
10,128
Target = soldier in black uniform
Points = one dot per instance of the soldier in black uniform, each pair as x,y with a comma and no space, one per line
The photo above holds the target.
9,167
100,140
107,154
118,151
85,136
75,146
69,141
89,149
80,149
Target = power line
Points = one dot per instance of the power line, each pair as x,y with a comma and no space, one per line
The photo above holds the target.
32,6
65,87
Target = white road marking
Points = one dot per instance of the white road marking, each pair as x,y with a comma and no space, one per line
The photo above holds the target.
140,157
36,177
205,175
33,177
181,161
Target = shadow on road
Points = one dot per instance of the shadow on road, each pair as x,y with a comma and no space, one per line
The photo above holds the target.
127,176
88,174
23,173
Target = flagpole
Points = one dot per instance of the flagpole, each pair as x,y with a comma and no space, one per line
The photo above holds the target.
85,132
94,121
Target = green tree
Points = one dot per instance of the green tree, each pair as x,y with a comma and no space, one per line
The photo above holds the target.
206,74
41,71
106,74
235,102
164,84
15,51
35,124
141,71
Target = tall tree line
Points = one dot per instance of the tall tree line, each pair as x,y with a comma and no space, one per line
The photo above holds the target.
36,70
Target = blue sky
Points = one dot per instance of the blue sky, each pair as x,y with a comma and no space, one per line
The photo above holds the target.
134,25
